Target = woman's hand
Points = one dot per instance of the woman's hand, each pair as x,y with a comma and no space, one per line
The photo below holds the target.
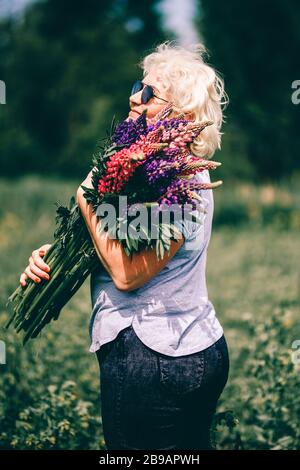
37,268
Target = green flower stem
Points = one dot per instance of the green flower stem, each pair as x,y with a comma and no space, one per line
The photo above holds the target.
42,291
35,292
71,262
26,295
20,290
48,286
76,278
68,279
53,312
73,249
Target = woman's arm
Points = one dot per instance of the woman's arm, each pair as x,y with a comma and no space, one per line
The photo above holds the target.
127,273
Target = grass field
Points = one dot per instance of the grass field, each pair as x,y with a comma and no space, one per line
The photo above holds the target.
49,390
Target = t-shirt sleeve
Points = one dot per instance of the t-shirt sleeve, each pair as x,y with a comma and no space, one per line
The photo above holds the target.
189,228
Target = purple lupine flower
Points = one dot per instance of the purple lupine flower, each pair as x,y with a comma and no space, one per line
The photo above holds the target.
168,124
179,132
158,177
161,169
181,192
128,131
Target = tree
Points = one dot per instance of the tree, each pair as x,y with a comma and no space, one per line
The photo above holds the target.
256,47
68,67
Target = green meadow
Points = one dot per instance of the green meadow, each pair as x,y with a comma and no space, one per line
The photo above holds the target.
49,389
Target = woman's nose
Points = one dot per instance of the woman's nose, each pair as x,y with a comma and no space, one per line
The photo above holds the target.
136,98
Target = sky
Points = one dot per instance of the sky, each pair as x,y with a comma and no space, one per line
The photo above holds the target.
178,16
12,7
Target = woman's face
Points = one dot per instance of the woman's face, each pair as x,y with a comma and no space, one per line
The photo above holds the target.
154,105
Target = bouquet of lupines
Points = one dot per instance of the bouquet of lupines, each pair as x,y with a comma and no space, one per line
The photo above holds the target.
150,164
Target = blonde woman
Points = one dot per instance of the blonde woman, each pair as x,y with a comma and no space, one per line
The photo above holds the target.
162,352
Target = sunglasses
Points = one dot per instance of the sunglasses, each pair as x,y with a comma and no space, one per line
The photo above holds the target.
147,92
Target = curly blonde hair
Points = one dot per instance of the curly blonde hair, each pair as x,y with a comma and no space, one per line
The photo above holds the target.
194,88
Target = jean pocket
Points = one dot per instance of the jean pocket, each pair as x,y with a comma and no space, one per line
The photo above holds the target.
181,374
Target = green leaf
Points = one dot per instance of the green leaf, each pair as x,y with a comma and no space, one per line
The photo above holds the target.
166,230
196,219
128,243
134,243
161,250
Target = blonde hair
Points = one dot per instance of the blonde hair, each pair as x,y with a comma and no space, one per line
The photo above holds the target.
193,86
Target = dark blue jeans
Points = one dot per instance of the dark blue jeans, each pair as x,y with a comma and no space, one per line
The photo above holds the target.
153,401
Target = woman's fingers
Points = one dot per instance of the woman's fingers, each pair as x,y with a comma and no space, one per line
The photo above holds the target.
31,271
31,275
38,260
36,270
23,278
45,247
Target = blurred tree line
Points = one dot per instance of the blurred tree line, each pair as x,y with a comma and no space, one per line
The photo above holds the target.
69,65
255,44
68,68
